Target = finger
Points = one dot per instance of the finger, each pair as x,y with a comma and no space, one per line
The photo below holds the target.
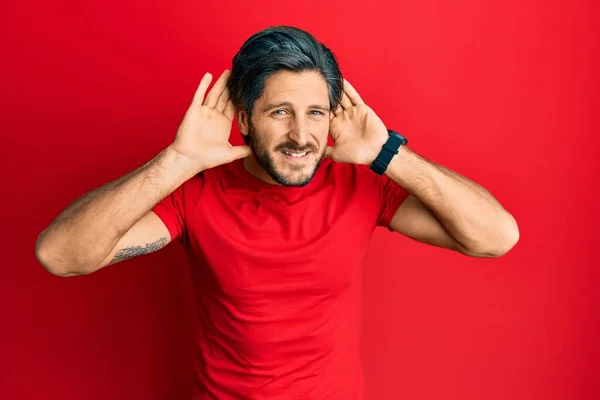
346,103
217,89
339,109
229,111
352,93
199,95
223,99
328,151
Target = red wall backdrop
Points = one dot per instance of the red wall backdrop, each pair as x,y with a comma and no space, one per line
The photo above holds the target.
505,92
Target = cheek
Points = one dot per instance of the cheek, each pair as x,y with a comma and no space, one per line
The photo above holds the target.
276,137
270,132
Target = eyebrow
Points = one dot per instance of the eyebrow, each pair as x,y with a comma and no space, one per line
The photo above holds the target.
287,103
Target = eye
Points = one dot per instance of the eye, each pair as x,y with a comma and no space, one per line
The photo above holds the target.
317,112
278,112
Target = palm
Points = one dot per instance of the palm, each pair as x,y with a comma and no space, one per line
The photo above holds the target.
209,127
358,133
203,135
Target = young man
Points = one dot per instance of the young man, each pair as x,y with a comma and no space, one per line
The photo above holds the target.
277,230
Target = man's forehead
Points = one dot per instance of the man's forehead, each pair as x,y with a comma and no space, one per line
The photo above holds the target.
297,88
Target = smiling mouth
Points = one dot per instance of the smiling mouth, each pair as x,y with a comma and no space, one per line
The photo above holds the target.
296,154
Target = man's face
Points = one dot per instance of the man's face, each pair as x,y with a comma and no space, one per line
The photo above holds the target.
289,126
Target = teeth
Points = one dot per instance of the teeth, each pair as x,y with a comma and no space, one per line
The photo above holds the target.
295,154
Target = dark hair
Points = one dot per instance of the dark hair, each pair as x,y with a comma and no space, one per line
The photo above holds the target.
280,48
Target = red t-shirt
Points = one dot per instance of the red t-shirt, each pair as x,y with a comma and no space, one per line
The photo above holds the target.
278,277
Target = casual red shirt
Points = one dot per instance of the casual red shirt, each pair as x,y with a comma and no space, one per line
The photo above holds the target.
278,277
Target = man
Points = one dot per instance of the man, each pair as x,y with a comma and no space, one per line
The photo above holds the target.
277,230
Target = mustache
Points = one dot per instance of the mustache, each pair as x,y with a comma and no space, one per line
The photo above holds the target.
292,147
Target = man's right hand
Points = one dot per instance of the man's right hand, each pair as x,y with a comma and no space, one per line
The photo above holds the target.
203,136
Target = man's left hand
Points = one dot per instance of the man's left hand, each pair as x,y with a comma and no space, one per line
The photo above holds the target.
358,133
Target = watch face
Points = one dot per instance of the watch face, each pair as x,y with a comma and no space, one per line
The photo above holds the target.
403,140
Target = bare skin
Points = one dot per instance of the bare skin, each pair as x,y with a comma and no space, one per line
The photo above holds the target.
114,222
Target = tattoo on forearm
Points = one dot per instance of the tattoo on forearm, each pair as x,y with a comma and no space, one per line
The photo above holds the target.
134,251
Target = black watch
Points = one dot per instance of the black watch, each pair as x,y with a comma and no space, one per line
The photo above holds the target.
389,150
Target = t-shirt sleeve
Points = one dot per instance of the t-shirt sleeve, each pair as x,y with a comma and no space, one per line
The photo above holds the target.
391,196
175,209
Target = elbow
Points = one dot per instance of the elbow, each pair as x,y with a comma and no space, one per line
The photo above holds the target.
506,246
45,260
503,238
507,236
42,254
51,261
510,235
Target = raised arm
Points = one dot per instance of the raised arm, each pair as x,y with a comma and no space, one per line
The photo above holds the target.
80,239
114,222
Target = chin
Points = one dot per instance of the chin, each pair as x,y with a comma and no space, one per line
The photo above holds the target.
293,179
294,172
298,182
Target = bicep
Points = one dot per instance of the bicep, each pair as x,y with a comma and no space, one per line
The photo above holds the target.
413,219
147,235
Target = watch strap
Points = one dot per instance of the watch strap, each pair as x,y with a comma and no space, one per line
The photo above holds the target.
388,151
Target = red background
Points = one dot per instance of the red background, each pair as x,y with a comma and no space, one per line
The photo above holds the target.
504,92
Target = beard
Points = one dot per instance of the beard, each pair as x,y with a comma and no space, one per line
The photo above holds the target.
290,174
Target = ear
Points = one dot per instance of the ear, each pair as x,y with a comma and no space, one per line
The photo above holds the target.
242,118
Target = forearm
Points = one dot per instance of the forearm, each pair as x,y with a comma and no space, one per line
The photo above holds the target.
87,230
467,211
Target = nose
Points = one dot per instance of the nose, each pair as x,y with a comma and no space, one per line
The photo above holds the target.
299,131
